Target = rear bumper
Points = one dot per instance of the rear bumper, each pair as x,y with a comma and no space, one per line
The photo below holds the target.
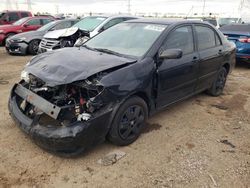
64,140
16,48
243,57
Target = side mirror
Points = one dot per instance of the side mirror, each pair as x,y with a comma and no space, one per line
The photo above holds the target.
101,30
52,29
171,54
26,25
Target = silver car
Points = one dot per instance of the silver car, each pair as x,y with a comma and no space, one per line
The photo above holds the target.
85,28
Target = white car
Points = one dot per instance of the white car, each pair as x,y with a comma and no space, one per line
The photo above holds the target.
87,27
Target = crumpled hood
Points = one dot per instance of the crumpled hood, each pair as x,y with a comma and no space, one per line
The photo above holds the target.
61,33
68,65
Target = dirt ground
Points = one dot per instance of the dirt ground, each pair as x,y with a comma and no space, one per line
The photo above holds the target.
201,142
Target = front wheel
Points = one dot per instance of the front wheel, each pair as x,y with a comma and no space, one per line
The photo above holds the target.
219,83
33,47
128,121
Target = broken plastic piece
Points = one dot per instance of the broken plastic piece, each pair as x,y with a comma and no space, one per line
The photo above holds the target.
83,117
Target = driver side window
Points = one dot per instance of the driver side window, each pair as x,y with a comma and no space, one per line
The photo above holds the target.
181,38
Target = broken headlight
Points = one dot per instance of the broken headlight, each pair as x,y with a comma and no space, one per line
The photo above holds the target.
25,76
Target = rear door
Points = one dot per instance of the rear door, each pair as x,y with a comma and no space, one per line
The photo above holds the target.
211,55
177,78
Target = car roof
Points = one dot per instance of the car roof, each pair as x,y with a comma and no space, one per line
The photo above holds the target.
67,19
113,16
15,11
166,21
33,17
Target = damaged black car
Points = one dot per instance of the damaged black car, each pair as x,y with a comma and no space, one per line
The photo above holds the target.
73,98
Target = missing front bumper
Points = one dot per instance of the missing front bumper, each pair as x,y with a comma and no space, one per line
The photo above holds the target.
71,139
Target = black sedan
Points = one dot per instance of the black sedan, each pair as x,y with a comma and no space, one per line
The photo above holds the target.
28,42
73,98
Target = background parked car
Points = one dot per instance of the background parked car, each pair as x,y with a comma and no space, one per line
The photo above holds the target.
240,35
22,25
28,42
9,17
88,27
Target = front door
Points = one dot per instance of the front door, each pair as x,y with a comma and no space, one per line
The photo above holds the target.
177,78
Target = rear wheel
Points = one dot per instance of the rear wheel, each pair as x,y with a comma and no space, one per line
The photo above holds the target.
128,121
219,83
33,47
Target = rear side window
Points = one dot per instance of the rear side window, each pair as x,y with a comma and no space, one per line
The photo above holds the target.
34,22
13,16
181,38
45,21
207,38
24,14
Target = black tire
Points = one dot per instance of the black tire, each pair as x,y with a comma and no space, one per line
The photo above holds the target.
33,47
219,84
128,121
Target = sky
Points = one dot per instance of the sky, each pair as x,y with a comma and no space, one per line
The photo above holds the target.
229,7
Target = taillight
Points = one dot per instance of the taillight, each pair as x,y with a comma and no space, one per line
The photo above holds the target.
244,40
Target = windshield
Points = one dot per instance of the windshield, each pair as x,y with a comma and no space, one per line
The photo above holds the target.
133,39
1,14
21,21
227,21
47,26
89,23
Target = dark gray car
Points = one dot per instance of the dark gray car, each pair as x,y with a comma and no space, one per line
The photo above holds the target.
28,42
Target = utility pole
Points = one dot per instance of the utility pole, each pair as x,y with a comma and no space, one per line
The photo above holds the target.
129,7
17,5
204,5
57,8
29,5
8,5
242,2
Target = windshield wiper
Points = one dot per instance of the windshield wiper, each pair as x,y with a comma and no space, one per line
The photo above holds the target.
108,51
89,48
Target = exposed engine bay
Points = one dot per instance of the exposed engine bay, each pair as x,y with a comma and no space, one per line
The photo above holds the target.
63,38
70,41
64,103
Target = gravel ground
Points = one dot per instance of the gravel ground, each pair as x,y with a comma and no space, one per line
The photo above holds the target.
201,142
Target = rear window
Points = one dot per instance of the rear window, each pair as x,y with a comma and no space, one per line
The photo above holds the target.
24,14
236,27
